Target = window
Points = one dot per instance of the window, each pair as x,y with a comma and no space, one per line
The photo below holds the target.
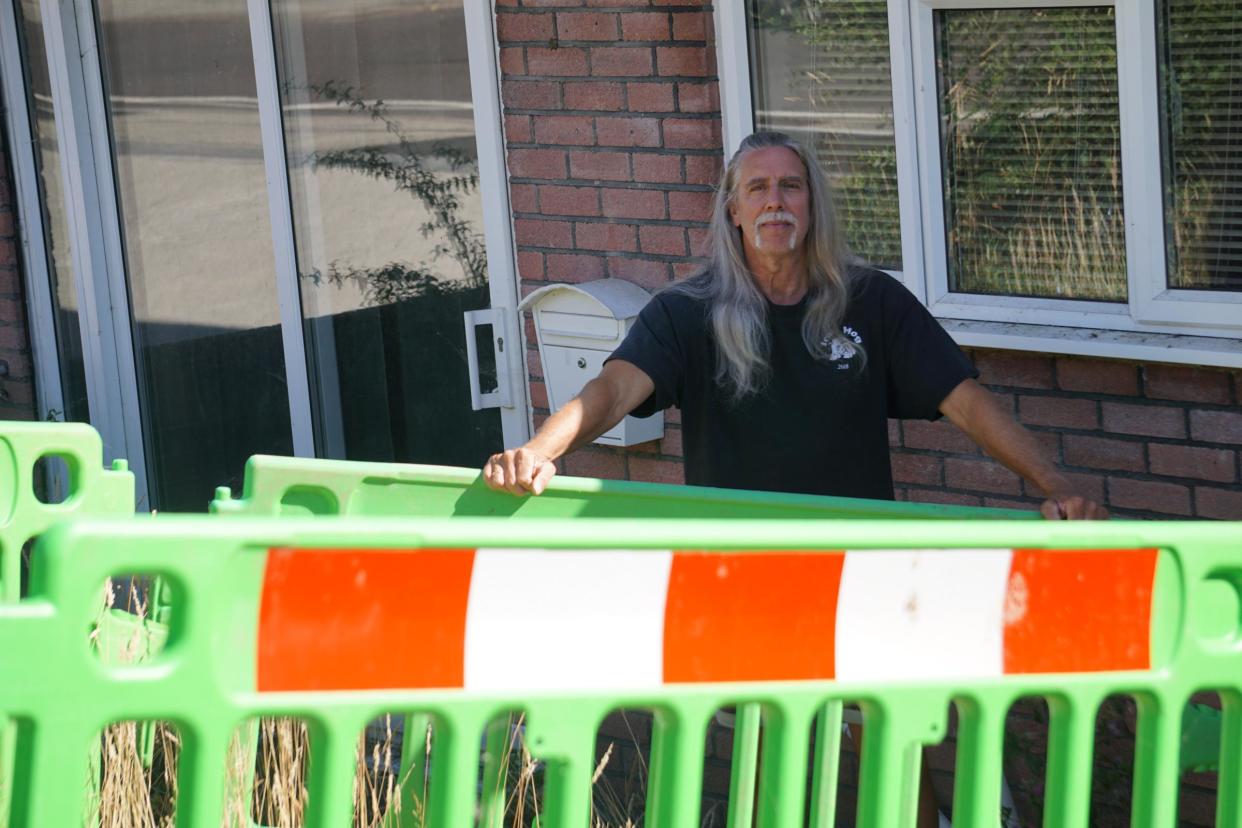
1061,176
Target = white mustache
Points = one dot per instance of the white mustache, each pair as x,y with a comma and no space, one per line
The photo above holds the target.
773,217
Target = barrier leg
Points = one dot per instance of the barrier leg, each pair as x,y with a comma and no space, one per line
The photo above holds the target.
411,802
330,774
827,765
1071,745
888,792
498,744
783,775
674,789
980,751
59,761
1229,778
568,744
1156,766
747,727
454,771
202,796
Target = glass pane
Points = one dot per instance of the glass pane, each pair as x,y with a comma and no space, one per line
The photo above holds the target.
198,242
55,229
384,175
1201,108
820,73
1031,152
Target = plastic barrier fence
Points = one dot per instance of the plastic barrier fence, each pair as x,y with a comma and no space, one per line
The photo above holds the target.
304,618
298,486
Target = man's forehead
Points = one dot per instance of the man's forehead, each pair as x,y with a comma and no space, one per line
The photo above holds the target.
771,162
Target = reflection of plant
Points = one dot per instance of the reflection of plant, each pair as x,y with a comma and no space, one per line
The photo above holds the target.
439,193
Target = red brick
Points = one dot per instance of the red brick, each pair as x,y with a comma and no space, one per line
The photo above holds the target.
574,267
642,272
690,26
543,233
557,200
628,132
1219,465
538,395
698,239
923,469
616,238
564,129
1149,496
537,163
613,61
536,4
1147,420
534,368
659,169
662,240
691,133
1010,503
690,206
1216,426
512,60
1059,411
531,94
657,471
650,97
644,26
530,264
1013,369
1103,453
1180,382
671,444
6,224
1090,486
511,28
1220,504
523,198
637,204
619,3
980,475
682,60
698,97
507,3
937,436
586,26
603,166
517,129
1097,376
942,497
8,254
560,61
13,337
704,169
607,96
593,461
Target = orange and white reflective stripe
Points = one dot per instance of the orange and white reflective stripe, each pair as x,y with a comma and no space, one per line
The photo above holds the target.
615,620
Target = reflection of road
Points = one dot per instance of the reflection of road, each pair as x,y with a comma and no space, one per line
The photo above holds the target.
198,232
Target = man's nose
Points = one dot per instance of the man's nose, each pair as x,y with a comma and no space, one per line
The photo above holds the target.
773,200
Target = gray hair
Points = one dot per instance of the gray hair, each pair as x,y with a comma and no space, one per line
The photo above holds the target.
738,309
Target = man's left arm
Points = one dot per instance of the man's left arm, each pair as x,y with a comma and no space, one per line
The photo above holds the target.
974,410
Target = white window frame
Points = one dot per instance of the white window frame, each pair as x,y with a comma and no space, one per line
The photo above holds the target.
94,220
1155,324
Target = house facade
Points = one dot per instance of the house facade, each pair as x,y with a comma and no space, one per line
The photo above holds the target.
305,227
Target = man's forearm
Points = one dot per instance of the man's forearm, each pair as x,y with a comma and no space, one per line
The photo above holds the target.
577,423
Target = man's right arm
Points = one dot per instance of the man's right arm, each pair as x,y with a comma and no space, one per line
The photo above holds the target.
604,401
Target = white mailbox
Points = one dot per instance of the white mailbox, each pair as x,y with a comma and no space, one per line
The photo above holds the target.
578,326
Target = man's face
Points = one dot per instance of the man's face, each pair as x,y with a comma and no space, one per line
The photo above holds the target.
772,206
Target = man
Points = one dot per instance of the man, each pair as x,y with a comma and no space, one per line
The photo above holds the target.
785,359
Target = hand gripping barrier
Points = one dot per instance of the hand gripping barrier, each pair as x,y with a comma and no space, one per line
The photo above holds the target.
302,617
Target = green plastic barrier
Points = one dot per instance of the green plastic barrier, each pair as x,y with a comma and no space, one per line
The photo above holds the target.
89,490
286,617
293,486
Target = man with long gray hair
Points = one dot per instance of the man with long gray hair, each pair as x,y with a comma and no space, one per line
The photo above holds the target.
786,358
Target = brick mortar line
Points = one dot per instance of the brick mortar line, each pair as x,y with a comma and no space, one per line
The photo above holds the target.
637,255
1096,396
974,493
632,222
660,150
614,78
599,9
615,184
617,113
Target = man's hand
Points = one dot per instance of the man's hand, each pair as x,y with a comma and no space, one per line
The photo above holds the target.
519,471
1072,507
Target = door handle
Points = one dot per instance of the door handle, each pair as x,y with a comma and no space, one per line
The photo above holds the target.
498,319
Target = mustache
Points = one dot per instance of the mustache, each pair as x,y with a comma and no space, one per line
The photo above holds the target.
776,216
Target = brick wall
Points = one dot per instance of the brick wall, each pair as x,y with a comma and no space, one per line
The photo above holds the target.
612,121
17,388
1150,441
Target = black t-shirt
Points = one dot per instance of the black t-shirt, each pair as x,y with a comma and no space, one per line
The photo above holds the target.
814,426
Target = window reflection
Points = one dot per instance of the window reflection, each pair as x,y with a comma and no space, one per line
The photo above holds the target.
383,173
